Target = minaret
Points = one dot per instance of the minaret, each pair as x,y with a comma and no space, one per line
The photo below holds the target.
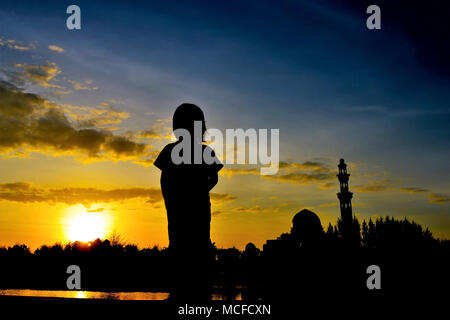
345,198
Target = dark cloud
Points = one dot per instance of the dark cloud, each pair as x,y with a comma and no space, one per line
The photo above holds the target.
123,146
222,198
15,186
413,190
17,104
240,171
37,74
307,165
301,173
96,210
302,178
254,209
29,121
149,134
328,185
17,45
162,129
432,196
26,192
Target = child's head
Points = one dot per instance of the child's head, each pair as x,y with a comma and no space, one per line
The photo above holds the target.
184,118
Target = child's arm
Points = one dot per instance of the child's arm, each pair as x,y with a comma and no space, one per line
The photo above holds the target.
212,180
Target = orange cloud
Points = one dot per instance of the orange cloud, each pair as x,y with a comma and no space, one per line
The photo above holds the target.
83,85
16,45
52,47
235,171
39,74
160,130
96,210
103,116
148,134
374,186
438,198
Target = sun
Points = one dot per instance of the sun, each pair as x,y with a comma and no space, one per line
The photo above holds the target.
85,226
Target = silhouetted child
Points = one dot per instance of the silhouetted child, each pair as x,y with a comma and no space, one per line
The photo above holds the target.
185,188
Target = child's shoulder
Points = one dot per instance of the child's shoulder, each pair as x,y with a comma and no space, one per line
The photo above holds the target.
169,146
164,156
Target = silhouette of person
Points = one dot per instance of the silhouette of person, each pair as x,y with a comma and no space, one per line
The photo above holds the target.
185,188
298,265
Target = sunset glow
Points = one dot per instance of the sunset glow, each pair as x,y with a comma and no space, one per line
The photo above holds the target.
84,113
86,226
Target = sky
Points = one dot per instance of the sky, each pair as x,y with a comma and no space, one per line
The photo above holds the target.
83,113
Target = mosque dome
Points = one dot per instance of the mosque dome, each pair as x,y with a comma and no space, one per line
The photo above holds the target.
250,247
306,225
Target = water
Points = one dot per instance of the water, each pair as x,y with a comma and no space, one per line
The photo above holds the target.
98,294
85,294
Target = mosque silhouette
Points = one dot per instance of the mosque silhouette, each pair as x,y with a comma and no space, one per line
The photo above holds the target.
307,229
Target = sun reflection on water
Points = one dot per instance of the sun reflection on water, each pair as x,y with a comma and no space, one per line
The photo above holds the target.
86,294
